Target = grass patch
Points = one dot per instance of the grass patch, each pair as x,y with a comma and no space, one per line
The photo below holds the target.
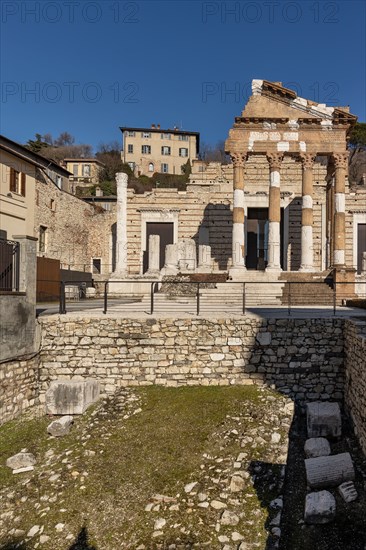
177,436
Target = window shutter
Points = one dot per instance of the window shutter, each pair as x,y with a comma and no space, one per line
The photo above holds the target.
22,191
12,180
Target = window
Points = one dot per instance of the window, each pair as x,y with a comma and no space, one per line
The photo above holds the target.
165,150
183,152
75,169
182,137
130,134
59,181
131,165
53,205
146,134
130,148
166,136
42,238
146,149
164,168
17,182
151,166
86,170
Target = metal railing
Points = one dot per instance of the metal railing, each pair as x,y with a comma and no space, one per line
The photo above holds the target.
246,295
9,265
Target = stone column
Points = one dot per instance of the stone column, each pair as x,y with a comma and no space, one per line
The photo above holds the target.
154,254
238,244
307,246
274,215
121,245
340,163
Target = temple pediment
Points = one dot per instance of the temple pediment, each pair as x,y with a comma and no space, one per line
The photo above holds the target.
271,100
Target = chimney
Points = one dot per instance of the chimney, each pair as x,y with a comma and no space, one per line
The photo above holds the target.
158,126
153,126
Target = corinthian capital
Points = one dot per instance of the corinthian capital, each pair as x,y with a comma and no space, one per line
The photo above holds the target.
307,160
238,159
274,160
340,159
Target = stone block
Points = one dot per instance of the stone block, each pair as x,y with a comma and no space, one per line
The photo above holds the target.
329,471
65,397
61,426
348,491
21,460
320,507
323,420
316,446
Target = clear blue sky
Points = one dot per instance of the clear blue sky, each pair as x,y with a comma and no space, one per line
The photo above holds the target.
88,67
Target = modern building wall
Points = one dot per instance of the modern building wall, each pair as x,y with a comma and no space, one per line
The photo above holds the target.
150,150
17,207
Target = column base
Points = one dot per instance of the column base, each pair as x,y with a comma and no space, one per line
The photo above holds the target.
273,268
237,272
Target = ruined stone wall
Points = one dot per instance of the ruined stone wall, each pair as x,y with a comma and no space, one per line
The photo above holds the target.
18,387
355,387
76,231
301,358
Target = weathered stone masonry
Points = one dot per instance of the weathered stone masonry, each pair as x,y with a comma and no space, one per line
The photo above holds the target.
302,358
355,389
19,388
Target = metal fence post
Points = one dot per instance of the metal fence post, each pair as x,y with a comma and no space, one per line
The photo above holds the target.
105,297
334,297
243,298
289,299
198,298
152,298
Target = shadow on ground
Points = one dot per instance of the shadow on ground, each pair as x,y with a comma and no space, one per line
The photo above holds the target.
82,543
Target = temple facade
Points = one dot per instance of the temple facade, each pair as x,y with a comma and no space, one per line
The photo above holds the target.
284,203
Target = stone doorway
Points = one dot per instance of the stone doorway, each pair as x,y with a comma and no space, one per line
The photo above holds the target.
165,231
361,244
257,238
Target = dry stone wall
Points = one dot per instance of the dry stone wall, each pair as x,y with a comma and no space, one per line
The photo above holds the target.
18,387
301,358
355,387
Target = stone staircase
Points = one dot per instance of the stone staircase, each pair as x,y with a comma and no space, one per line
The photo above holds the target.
307,289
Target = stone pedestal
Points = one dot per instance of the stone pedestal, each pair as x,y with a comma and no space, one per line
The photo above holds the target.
171,260
66,397
204,258
323,420
320,507
187,255
154,256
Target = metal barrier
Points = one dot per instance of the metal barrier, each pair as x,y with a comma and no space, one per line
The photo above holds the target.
9,265
197,293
